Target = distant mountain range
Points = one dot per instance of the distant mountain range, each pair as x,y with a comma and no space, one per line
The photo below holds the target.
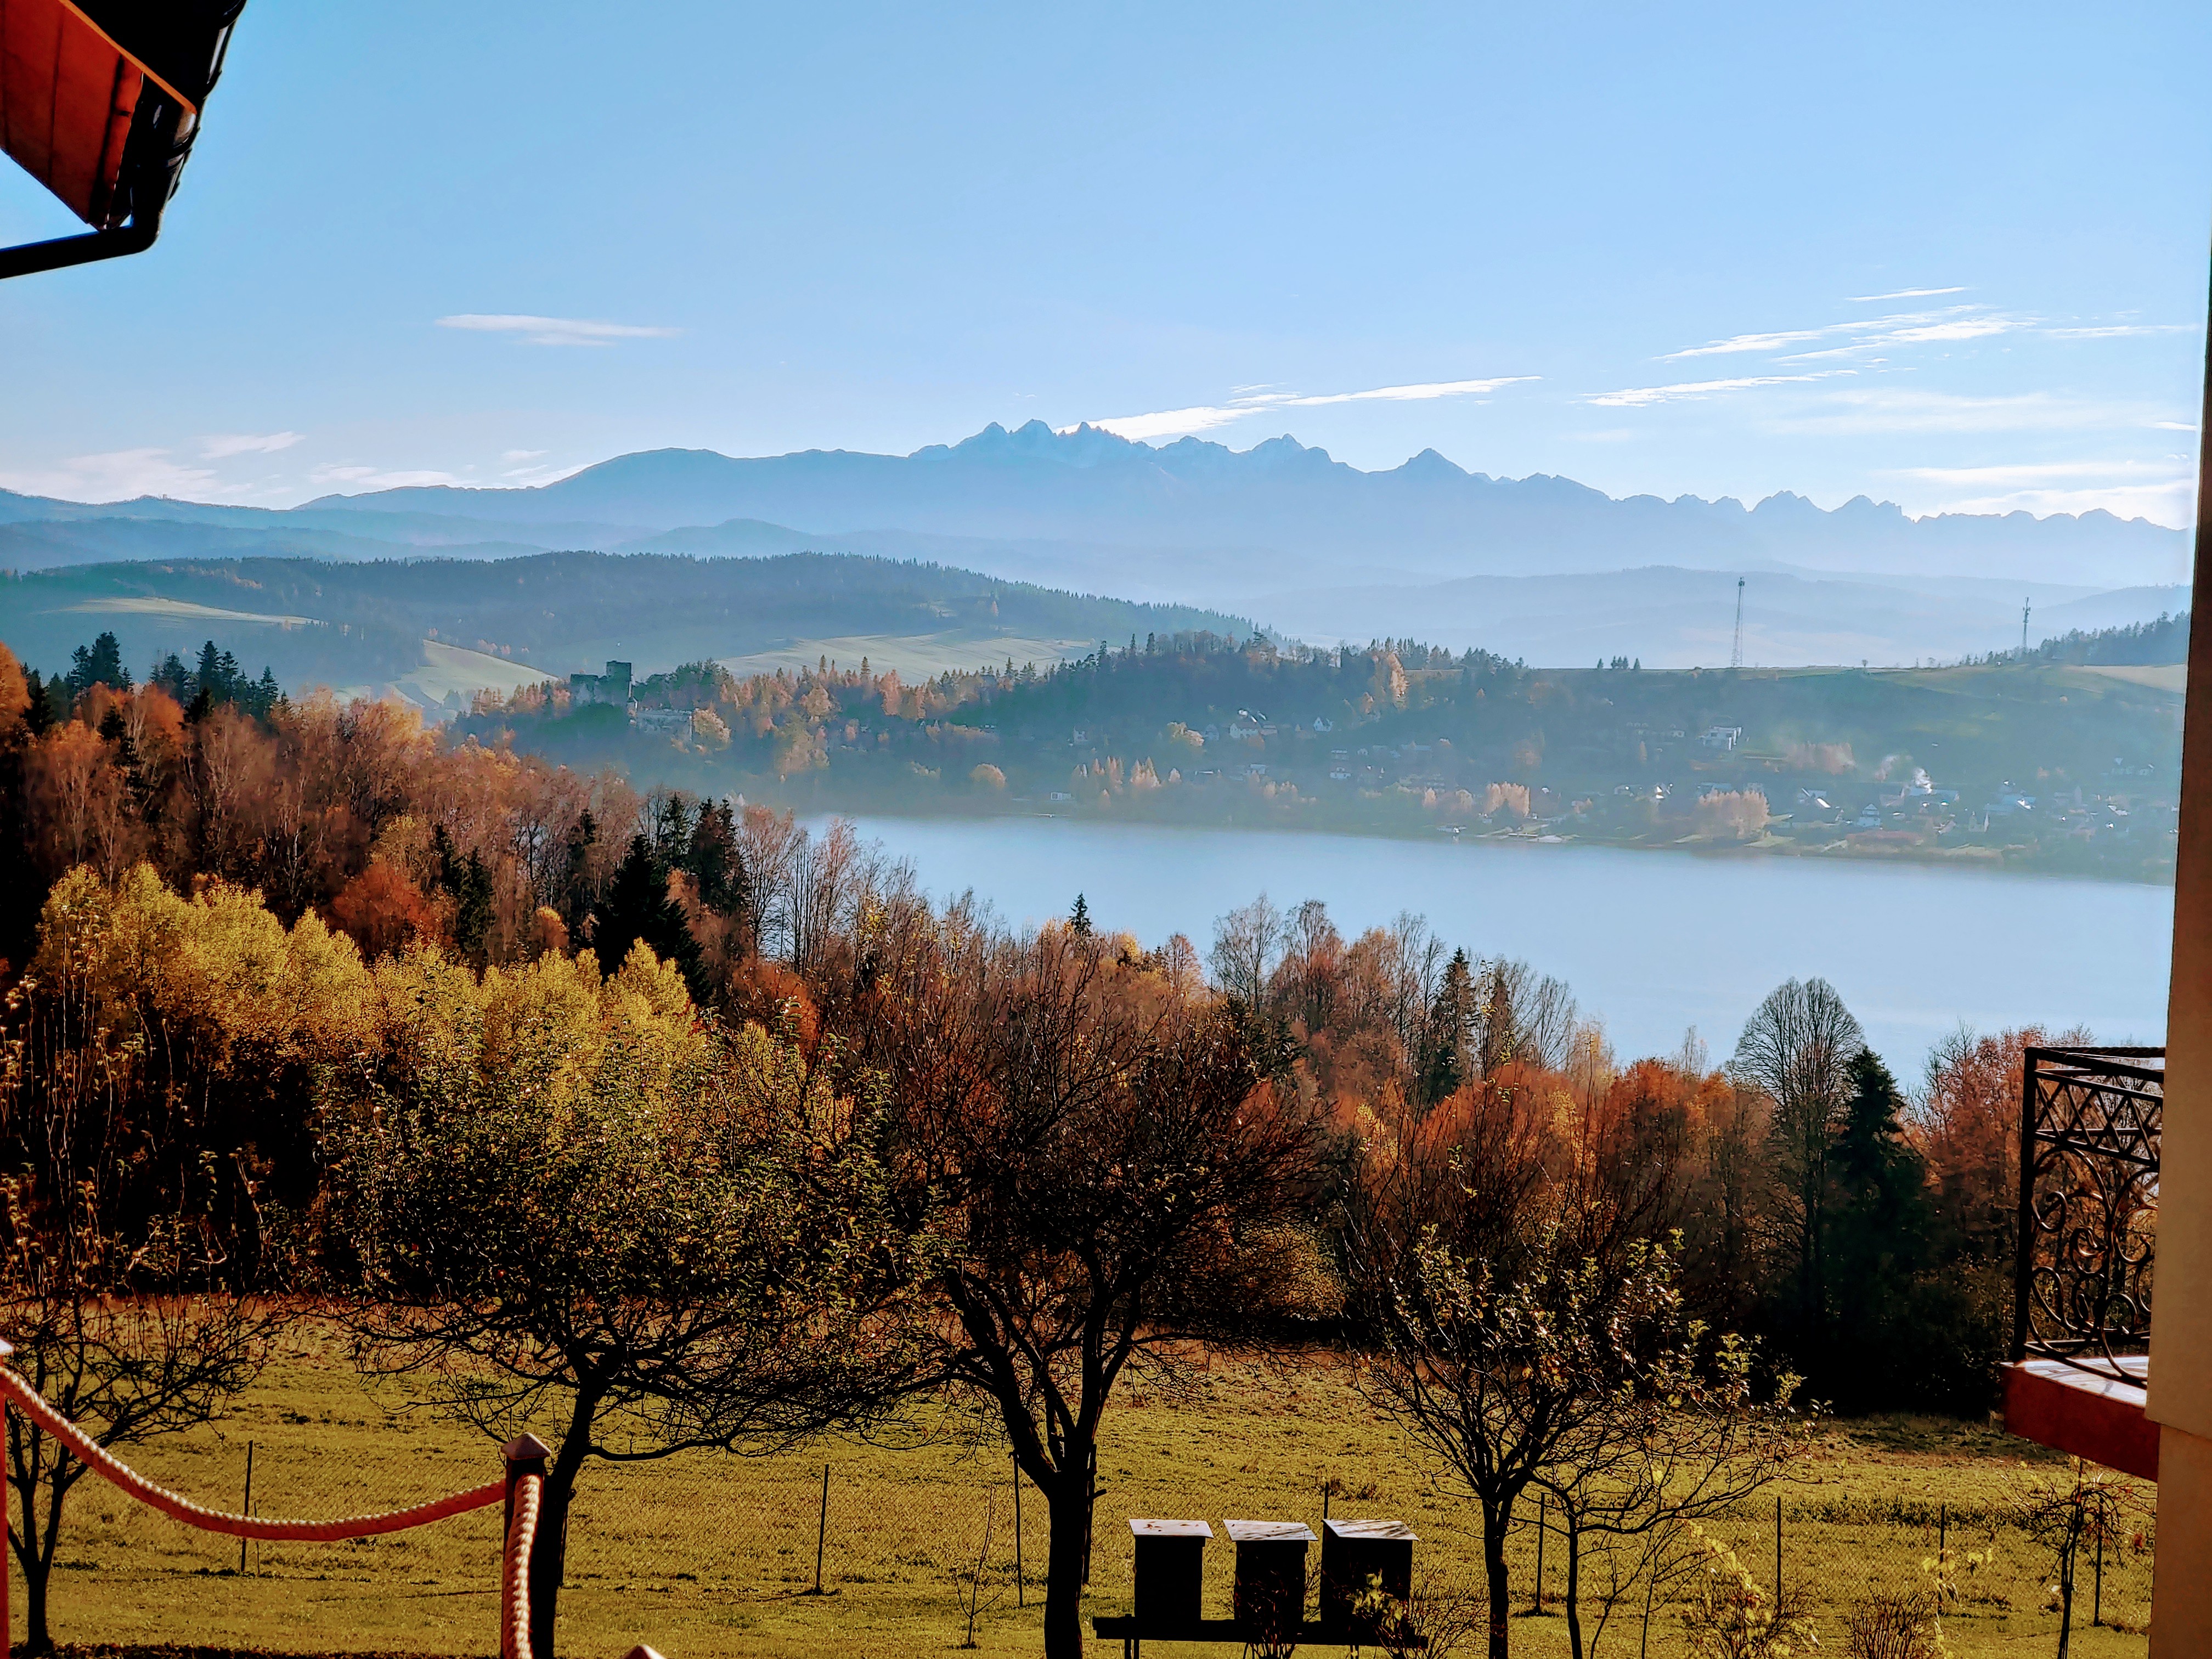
1283,503
1541,567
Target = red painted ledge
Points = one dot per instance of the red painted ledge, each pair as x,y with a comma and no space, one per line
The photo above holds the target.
2073,1410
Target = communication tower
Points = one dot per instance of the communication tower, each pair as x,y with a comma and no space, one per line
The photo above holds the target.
2025,605
1736,656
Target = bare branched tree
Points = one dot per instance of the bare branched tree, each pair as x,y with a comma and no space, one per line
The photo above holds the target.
1798,1047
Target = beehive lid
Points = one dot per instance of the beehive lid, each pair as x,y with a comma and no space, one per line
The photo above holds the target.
1395,1531
1269,1531
1170,1528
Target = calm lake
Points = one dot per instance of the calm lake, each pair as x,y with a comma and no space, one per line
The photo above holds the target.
1651,942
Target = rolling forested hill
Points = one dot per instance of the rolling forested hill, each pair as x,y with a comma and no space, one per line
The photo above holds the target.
506,622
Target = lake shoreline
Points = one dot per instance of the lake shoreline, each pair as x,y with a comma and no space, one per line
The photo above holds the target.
1766,850
1650,945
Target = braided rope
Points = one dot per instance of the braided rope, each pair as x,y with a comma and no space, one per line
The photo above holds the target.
514,1571
104,1463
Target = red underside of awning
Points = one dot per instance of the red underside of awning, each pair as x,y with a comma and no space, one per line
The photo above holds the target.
2062,1407
67,95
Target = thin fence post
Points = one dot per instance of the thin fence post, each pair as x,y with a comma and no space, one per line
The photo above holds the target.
1777,1546
2097,1597
1537,1606
525,1455
1089,1511
821,1529
1021,1589
247,1506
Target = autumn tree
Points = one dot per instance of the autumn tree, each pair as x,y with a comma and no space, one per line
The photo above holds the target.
580,1213
1245,942
1548,1369
130,1249
1106,1173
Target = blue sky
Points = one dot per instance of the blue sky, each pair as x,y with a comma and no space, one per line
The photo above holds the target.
1950,256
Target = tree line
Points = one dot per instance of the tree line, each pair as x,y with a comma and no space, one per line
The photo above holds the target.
647,1123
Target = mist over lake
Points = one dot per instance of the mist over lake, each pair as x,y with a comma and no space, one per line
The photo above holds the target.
1653,943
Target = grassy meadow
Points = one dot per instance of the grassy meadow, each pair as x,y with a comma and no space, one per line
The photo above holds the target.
715,1555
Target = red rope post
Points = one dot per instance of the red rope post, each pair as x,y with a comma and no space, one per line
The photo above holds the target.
7,1587
7,1575
526,1457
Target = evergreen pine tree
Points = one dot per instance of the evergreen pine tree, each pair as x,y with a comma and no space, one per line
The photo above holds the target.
98,664
38,712
1079,919
576,879
1878,1226
637,906
208,677
1445,1062
716,863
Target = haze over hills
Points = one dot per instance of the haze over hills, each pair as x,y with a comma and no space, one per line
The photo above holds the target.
1541,568
1281,498
439,629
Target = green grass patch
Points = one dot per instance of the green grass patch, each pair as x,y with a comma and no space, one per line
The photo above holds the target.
715,1555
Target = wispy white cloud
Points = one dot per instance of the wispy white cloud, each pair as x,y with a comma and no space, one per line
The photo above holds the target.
365,479
2160,490
1169,422
556,330
1206,418
1643,397
2122,331
223,446
1867,334
1856,410
513,455
1397,394
1735,343
1902,294
114,475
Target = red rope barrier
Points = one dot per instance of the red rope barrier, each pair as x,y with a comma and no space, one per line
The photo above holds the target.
514,1571
104,1463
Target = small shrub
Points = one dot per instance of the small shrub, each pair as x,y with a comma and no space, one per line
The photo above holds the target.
1729,1616
1904,1625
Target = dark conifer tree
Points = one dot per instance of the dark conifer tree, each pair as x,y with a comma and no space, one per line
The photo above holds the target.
1445,1061
1079,918
636,907
1878,1232
209,678
99,664
715,862
39,715
576,880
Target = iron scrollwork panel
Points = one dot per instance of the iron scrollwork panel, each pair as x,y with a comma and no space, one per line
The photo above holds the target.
2089,1178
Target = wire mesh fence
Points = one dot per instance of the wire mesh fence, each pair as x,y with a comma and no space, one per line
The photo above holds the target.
886,1551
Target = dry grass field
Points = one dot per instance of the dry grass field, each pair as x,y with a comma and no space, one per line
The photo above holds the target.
715,1555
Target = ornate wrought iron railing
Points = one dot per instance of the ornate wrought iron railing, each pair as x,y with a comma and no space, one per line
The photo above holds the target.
2089,1207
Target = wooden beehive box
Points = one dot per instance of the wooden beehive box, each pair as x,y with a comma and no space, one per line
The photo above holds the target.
1352,1553
1168,1568
1271,1574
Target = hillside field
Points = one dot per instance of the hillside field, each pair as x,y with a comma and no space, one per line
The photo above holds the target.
711,1555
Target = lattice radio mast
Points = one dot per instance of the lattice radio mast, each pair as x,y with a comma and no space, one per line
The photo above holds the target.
2024,607
1736,657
